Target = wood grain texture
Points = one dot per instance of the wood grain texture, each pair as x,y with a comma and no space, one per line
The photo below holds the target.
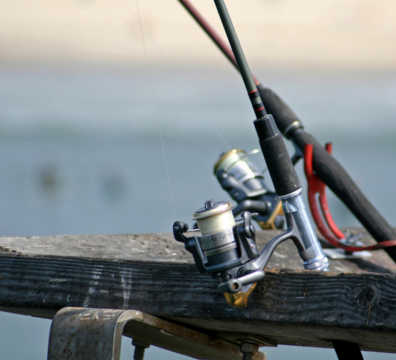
161,247
154,274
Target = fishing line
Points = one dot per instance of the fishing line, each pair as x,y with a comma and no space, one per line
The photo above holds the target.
156,110
218,131
222,138
148,34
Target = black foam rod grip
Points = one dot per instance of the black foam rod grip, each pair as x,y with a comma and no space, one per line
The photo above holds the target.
280,167
284,116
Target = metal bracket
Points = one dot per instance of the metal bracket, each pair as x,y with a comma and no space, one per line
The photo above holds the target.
95,334
270,223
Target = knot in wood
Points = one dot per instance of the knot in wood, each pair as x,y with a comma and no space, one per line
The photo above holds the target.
261,288
366,296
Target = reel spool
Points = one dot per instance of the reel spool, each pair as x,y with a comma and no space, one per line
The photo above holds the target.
214,217
242,179
216,222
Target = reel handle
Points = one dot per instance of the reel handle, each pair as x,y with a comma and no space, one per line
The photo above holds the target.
179,228
234,286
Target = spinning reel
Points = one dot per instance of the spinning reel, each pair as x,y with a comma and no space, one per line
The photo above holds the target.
241,178
227,250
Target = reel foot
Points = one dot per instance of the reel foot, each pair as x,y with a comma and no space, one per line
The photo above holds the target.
240,299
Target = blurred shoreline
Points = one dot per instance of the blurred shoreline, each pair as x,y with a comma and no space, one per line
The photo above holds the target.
54,101
348,34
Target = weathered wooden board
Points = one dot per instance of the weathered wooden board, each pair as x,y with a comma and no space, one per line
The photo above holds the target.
162,247
153,273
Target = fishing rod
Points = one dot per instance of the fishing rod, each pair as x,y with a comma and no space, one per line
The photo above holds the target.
325,166
228,250
221,44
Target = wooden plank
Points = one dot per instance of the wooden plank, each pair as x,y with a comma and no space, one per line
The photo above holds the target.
289,307
162,247
154,274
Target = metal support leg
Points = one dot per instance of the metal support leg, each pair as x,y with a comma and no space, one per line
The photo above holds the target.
347,351
140,348
87,334
95,334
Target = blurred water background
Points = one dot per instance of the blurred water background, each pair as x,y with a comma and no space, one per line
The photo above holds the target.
81,153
